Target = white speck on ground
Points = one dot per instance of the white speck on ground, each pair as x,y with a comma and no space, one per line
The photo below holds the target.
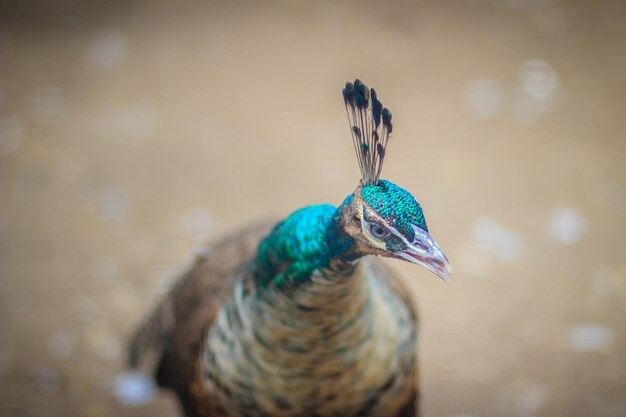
112,203
589,337
538,79
567,225
133,389
536,94
107,48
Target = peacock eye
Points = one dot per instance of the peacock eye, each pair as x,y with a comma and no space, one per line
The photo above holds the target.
378,231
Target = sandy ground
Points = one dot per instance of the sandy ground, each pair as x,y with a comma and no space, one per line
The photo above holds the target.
131,132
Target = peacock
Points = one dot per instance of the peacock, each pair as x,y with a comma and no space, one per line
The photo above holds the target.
300,318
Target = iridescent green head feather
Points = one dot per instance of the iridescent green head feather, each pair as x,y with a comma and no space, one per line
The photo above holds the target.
396,206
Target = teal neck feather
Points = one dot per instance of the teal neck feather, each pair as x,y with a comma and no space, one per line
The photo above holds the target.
310,239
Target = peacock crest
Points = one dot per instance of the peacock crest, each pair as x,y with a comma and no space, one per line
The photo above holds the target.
365,115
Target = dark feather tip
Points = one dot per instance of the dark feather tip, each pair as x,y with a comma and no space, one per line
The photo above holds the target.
377,109
361,94
359,100
380,150
348,94
386,116
356,131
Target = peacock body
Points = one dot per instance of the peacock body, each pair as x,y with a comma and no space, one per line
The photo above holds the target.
296,319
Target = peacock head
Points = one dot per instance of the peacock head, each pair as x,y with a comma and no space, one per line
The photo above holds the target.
382,218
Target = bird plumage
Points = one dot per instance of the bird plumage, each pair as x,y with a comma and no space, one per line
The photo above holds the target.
295,319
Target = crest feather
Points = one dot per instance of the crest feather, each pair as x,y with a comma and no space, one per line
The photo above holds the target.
365,114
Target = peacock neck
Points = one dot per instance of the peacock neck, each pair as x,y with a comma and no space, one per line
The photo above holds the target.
334,332
310,239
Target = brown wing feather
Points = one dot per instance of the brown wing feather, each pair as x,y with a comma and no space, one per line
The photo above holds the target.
174,331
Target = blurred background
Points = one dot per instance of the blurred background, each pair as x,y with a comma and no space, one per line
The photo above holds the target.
132,131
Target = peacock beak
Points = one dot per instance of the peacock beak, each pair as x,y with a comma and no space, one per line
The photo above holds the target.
424,251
